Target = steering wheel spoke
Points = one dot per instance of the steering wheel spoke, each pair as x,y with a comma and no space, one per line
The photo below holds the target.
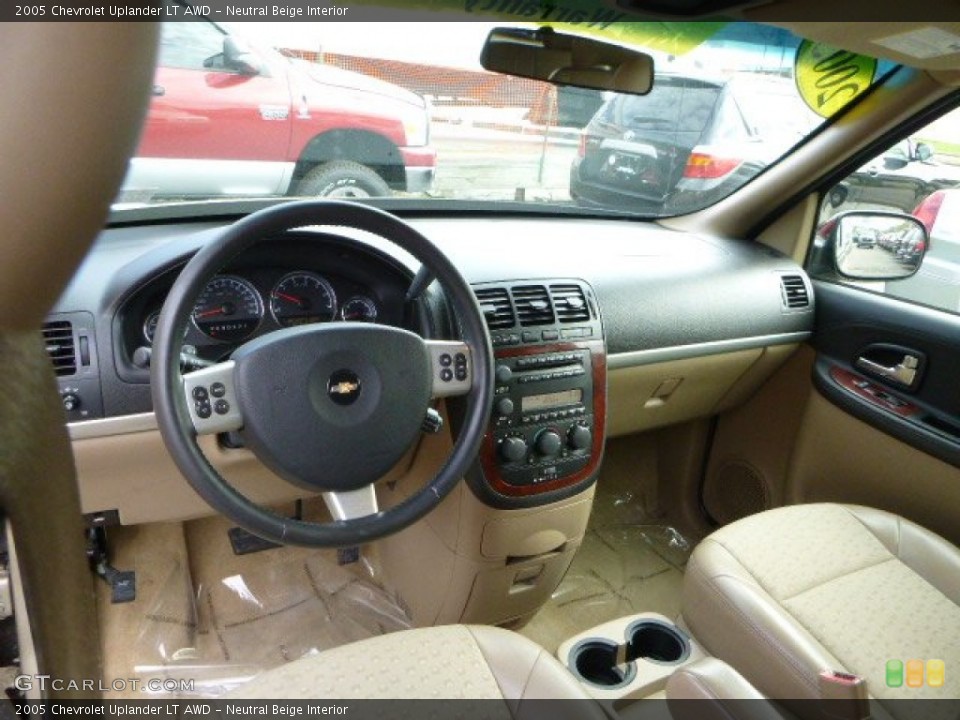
451,367
211,397
351,504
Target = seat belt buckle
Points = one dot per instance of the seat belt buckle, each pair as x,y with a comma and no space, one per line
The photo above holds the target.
844,695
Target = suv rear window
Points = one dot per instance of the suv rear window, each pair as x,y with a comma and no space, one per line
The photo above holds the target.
674,104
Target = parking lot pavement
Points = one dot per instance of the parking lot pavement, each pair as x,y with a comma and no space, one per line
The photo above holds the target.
875,261
494,164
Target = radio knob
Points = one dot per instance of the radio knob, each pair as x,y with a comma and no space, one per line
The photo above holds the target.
548,443
513,449
505,406
503,373
579,437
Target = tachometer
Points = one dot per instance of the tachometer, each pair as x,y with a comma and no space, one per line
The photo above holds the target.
301,298
229,309
359,308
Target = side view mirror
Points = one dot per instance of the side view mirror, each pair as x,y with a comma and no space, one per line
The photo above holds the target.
923,152
871,245
239,57
561,59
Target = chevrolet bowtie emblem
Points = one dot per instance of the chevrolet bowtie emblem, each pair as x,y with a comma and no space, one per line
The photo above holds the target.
343,387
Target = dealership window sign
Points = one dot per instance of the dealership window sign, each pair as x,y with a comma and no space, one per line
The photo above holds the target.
828,79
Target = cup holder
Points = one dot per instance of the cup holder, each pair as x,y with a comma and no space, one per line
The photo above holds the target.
657,642
595,661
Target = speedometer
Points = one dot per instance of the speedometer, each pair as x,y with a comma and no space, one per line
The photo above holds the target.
301,298
228,309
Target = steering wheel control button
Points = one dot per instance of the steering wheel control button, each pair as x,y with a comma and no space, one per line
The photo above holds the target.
451,367
210,395
344,387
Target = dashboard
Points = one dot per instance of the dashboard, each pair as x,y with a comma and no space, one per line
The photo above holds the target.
591,340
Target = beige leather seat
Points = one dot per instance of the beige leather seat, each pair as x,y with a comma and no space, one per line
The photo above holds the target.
787,593
449,662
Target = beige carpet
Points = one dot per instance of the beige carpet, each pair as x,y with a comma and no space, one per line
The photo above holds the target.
218,619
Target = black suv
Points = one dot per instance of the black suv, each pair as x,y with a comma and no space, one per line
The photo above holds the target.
686,144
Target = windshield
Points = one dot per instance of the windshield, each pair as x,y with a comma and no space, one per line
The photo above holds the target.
369,110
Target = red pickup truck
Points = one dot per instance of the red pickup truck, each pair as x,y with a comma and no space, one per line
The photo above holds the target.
228,119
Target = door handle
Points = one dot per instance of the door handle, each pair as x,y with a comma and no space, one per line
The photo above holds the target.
903,373
159,90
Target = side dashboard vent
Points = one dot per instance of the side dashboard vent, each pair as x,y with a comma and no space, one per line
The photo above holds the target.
569,303
793,292
533,305
58,337
496,307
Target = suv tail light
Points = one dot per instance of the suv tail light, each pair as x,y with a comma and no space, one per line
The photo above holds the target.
928,209
707,166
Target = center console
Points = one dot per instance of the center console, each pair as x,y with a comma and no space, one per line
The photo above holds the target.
546,432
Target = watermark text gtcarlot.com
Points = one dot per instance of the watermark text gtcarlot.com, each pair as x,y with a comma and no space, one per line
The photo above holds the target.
25,683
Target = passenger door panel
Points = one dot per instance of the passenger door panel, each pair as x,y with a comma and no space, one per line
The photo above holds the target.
853,324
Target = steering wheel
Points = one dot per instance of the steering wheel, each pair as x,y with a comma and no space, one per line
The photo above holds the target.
328,407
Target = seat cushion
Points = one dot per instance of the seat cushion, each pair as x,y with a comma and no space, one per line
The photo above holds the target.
787,593
449,662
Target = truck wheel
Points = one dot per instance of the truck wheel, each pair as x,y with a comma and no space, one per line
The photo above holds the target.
342,179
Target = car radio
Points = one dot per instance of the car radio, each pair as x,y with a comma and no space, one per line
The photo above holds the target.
547,422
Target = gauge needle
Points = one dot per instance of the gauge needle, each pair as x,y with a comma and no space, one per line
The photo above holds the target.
208,313
289,298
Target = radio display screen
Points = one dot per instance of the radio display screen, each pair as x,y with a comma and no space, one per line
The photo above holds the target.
551,400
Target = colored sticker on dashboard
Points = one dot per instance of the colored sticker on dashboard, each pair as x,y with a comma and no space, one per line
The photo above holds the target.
828,78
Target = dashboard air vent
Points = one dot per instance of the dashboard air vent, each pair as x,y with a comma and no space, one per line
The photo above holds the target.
533,305
496,307
569,303
58,337
794,292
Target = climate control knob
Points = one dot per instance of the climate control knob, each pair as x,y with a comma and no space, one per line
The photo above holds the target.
548,443
579,437
513,449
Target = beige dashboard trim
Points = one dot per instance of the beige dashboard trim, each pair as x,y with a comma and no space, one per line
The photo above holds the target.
683,352
108,427
143,422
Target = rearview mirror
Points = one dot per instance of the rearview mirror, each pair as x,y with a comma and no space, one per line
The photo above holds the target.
562,59
878,245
